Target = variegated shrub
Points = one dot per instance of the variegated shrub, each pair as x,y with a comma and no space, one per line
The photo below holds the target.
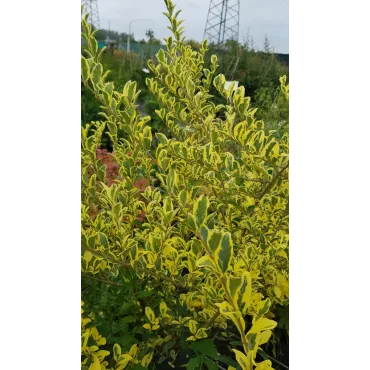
209,259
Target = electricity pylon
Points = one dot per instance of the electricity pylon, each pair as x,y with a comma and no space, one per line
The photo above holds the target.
91,7
222,21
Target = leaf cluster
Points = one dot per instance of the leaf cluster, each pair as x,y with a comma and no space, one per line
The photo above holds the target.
208,259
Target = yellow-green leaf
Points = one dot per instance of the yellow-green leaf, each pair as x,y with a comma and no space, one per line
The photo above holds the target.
277,291
262,324
207,153
95,365
225,252
124,360
264,365
183,198
193,326
200,210
227,310
234,284
247,295
161,137
214,240
116,351
149,314
88,256
133,350
145,361
163,308
201,333
85,69
96,73
242,360
264,337
283,254
206,261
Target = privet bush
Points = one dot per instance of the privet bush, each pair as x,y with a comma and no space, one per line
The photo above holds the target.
198,279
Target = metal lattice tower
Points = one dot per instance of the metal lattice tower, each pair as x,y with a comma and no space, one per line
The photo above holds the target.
91,7
222,21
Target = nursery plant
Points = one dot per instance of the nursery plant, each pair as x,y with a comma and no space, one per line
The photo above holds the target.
185,253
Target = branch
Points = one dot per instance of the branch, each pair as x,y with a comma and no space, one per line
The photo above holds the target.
100,280
273,182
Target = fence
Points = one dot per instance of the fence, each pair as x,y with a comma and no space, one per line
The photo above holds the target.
144,50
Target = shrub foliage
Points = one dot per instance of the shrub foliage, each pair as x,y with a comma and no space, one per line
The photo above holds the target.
190,269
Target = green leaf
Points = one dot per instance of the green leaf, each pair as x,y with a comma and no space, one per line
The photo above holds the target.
224,252
149,314
171,179
234,285
250,209
85,69
205,347
101,173
214,240
183,198
211,365
263,307
194,363
128,319
125,340
207,153
125,307
252,343
117,211
145,293
137,367
96,73
103,240
116,351
129,90
161,56
91,241
147,137
204,234
200,210
190,221
190,86
161,138
206,261
112,128
227,360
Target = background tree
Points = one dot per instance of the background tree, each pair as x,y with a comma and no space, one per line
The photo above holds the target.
266,45
149,34
151,38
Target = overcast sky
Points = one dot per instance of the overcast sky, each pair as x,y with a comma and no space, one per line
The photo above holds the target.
260,17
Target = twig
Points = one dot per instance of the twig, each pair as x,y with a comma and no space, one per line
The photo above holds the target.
213,319
100,280
273,359
273,182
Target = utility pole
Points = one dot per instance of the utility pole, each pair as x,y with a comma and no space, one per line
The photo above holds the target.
91,8
222,21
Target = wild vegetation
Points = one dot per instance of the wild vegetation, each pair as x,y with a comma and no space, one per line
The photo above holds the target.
185,239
